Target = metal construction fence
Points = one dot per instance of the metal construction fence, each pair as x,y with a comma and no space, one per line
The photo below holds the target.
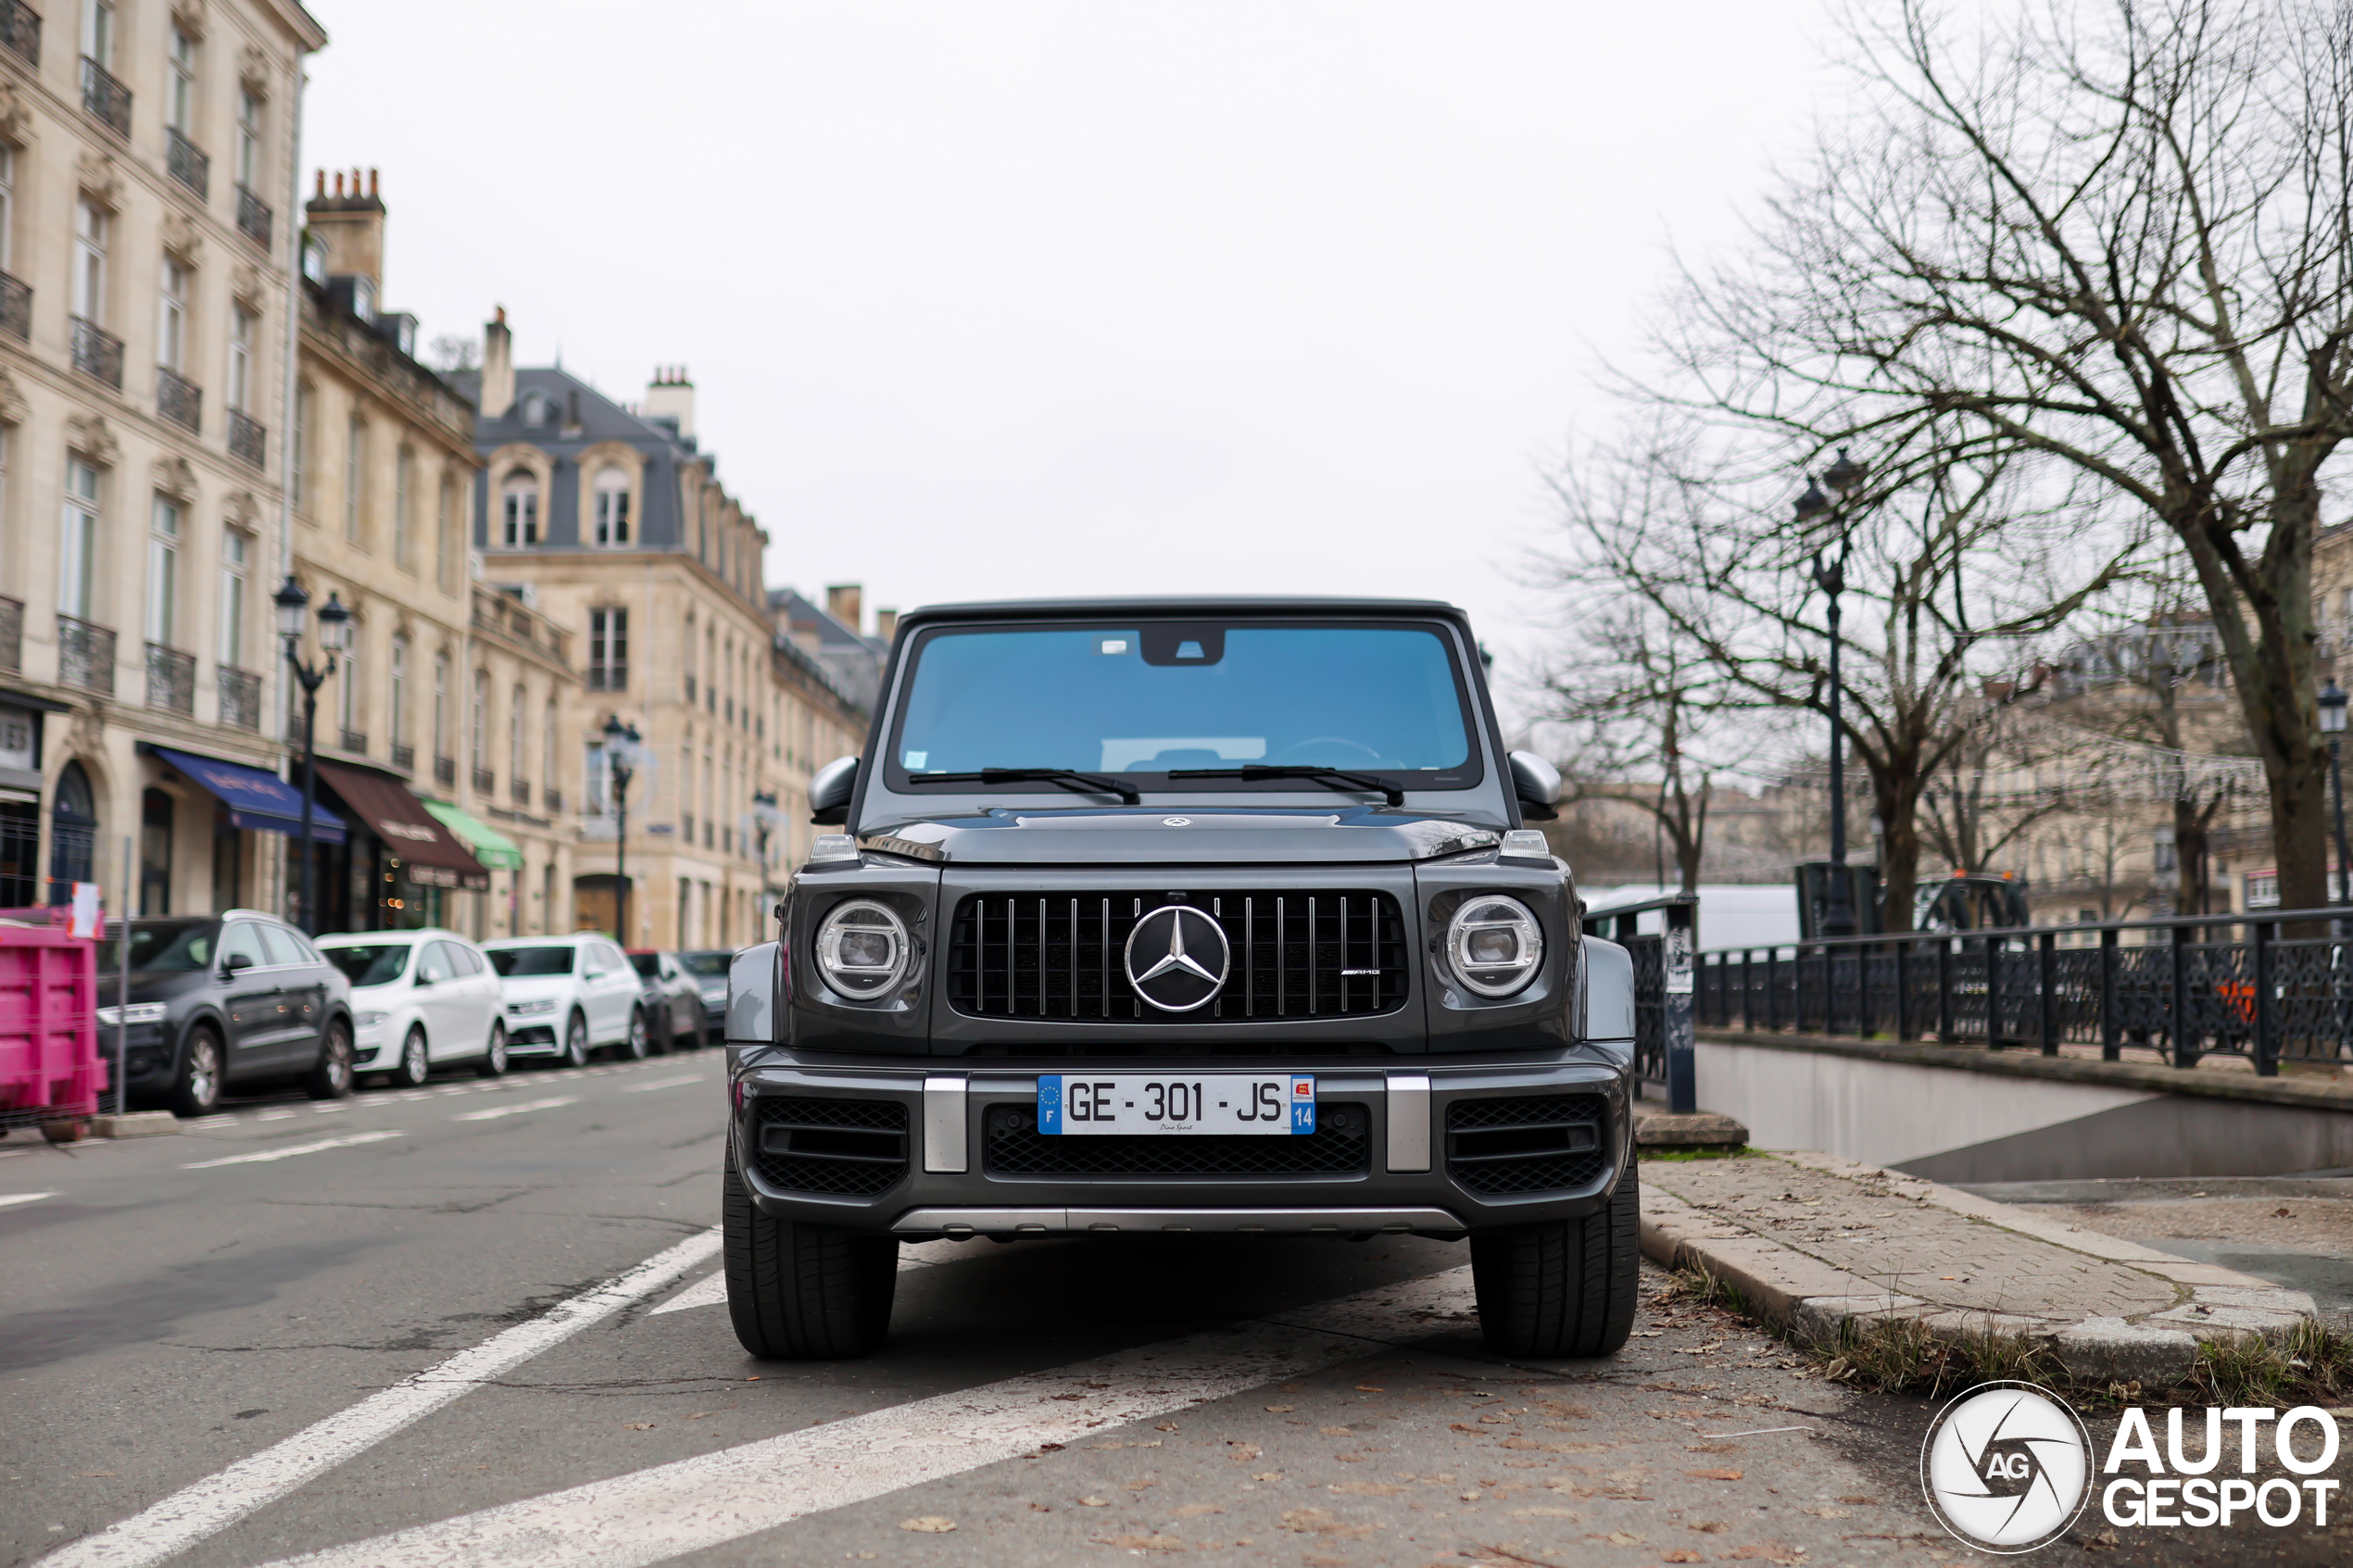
2269,985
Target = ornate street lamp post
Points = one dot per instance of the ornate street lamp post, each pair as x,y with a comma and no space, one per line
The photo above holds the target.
334,636
621,759
1830,575
2332,703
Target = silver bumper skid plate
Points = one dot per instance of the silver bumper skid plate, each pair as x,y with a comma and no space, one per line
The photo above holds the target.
1263,1221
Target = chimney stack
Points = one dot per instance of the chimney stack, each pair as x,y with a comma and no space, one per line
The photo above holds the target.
886,625
842,603
351,228
671,396
497,366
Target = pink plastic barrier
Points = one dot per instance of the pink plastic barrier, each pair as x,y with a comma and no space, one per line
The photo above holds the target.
49,1064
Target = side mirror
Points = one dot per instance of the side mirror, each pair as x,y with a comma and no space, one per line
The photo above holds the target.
1538,783
236,963
830,788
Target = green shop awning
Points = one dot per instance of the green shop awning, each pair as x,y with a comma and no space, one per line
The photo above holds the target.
492,847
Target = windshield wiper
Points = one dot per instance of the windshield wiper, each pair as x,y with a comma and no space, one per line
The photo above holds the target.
1330,778
1069,779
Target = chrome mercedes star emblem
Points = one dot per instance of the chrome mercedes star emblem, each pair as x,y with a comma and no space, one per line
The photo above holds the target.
1176,821
1177,957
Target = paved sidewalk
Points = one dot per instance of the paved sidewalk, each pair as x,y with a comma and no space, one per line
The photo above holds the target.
1815,1242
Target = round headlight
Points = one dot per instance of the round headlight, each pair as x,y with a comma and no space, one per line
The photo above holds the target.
1493,944
863,947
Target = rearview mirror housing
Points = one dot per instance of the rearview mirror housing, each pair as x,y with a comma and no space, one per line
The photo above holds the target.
1538,785
830,788
236,963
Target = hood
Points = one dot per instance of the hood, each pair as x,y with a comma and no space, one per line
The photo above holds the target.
1159,836
155,985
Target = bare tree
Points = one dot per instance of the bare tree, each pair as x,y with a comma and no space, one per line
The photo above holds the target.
450,353
2114,238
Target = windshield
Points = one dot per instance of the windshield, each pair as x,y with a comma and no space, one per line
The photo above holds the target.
710,966
371,963
1169,696
521,963
181,947
647,964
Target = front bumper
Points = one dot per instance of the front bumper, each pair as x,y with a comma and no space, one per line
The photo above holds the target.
921,1153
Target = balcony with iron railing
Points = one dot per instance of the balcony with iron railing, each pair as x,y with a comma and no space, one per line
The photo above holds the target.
179,399
355,742
106,99
171,679
187,163
507,616
485,782
240,698
404,756
11,635
445,771
521,790
21,32
252,216
552,798
98,353
248,438
85,656
16,307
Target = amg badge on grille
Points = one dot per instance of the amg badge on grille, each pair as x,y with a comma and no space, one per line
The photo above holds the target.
1177,957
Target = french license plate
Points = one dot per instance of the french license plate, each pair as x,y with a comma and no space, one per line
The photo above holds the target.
1282,1103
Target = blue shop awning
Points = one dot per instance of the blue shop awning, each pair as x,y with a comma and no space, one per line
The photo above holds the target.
255,798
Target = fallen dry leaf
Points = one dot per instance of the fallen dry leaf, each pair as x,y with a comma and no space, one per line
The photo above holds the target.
1458,1426
1368,1388
1713,1528
1682,1555
639,1425
1466,1496
1094,1502
1623,1537
1335,1431
1546,1514
1494,1418
1144,1483
929,1525
1196,1510
1859,1501
1828,1513
1350,1458
1143,1543
1712,1475
1268,1476
1282,1409
1364,1488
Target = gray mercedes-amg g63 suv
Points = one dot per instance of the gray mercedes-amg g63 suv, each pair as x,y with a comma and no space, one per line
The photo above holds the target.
1155,915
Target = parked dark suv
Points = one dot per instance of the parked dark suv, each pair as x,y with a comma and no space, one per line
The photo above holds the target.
1182,916
220,1001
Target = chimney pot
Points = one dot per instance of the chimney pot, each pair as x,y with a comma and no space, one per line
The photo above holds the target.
322,183
497,367
338,185
371,182
842,602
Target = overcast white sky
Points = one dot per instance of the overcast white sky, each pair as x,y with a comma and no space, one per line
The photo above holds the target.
1099,296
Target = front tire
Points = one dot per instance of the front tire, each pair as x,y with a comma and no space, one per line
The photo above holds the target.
1565,1288
576,1042
803,1292
416,1062
635,1048
195,1091
330,1077
494,1061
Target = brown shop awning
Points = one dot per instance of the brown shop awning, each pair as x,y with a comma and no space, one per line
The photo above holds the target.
430,856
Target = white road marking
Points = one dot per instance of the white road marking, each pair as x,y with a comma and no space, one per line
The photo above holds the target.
274,1115
712,1291
667,1083
7,1198
213,1504
328,1108
696,1503
264,1156
498,1111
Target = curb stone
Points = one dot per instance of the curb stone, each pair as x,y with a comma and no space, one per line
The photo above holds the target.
137,1125
1811,1299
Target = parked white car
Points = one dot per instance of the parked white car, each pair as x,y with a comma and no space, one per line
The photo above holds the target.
419,999
569,996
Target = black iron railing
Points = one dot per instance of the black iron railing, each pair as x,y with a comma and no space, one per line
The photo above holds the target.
11,635
445,771
1622,924
485,782
240,697
104,98
252,216
21,31
98,353
16,307
188,163
171,679
2269,985
248,438
355,742
85,656
552,798
404,756
179,399
521,790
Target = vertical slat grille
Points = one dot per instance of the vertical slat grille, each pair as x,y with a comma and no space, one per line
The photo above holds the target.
1062,955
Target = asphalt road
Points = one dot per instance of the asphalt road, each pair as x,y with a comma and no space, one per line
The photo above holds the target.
209,1350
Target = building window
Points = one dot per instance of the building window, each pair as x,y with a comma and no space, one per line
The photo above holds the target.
180,93
517,762
445,538
348,692
78,553
396,717
236,550
163,574
608,650
686,659
301,446
241,360
354,465
612,506
479,732
440,705
520,499
401,468
249,140
90,225
98,31
548,748
8,201
171,329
